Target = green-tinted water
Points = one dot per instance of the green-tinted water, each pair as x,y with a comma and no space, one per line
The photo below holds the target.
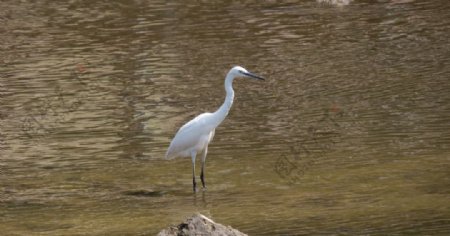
349,134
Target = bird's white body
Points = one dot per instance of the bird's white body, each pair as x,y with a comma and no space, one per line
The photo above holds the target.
193,137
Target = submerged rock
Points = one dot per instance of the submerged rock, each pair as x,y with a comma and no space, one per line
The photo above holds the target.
199,225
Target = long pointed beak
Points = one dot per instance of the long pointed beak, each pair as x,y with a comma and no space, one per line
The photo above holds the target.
250,75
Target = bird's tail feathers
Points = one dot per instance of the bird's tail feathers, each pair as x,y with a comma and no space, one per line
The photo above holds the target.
169,156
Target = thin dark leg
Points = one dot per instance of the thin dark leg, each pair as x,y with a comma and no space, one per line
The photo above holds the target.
203,179
202,175
194,184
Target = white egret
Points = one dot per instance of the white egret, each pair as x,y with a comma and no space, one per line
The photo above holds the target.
193,137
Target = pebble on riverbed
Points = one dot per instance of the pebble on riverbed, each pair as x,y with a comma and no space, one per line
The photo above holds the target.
199,225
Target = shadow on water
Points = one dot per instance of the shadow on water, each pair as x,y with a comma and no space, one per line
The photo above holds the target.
145,193
199,198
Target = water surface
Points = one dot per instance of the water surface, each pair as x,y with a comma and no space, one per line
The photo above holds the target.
349,134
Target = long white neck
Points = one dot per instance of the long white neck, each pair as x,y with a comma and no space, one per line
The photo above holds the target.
222,112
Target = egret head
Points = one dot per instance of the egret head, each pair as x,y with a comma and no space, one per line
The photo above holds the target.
239,71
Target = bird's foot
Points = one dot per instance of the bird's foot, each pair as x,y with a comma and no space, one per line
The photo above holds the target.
204,185
202,178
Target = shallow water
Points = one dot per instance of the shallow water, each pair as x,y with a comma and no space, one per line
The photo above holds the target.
349,134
